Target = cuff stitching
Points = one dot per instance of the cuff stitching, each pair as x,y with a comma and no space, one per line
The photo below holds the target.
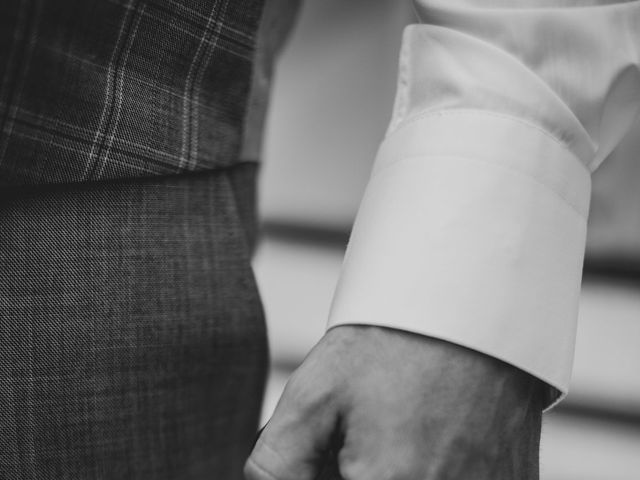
463,111
523,174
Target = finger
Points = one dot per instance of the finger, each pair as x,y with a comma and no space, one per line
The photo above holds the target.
330,469
376,448
293,444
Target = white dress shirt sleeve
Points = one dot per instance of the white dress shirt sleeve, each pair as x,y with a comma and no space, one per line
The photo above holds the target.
472,227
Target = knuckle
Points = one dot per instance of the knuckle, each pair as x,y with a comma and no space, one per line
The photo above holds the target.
256,471
307,397
385,467
265,463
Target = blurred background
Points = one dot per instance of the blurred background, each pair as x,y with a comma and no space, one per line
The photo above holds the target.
332,97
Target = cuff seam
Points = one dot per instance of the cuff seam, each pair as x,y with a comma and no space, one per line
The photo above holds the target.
519,172
477,112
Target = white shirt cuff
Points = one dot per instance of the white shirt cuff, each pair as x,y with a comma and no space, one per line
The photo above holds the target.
472,230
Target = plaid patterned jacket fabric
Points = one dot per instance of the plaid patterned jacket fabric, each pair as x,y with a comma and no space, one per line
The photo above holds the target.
108,89
133,337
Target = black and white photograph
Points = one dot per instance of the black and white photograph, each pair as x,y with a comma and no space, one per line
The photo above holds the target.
319,239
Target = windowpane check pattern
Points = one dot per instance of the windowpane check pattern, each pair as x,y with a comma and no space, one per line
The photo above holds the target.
106,89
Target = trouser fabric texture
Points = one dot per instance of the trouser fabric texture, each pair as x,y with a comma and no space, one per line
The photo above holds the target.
133,341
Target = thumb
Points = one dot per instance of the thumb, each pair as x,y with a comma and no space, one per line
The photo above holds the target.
294,443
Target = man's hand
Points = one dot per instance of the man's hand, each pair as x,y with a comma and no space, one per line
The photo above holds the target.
404,407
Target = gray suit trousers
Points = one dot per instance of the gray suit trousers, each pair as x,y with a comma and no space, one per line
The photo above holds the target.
133,342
